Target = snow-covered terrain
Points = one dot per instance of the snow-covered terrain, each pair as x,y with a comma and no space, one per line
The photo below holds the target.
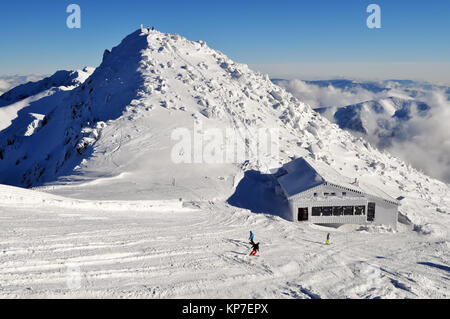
31,93
112,215
57,249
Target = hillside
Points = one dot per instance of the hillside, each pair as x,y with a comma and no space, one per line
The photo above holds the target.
111,140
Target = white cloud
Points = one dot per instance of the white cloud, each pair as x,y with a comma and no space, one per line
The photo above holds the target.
428,143
4,86
317,96
11,81
422,141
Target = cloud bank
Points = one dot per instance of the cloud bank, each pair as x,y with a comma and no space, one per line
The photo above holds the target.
9,82
418,71
423,141
317,96
428,144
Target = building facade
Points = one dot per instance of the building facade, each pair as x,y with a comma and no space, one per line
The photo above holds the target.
314,198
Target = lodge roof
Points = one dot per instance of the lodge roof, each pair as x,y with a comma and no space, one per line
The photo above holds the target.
301,175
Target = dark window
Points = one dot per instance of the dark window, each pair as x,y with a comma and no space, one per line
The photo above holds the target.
315,194
326,194
316,211
327,211
333,194
360,210
302,214
348,210
338,210
371,212
344,193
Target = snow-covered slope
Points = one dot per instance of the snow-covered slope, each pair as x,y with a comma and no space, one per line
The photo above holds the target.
109,141
114,131
60,78
61,251
30,93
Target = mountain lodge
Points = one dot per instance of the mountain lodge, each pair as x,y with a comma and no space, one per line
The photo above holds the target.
318,194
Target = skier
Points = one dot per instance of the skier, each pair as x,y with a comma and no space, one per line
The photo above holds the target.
255,248
328,239
251,237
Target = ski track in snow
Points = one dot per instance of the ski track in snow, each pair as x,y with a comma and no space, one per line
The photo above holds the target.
116,222
204,254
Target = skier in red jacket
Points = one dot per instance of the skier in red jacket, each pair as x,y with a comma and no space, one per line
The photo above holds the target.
255,248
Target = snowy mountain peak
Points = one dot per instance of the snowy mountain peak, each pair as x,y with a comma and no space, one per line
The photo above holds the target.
115,132
144,72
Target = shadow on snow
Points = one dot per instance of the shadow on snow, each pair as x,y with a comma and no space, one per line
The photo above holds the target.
441,267
256,192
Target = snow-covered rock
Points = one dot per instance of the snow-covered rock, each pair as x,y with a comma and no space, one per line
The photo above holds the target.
60,78
35,93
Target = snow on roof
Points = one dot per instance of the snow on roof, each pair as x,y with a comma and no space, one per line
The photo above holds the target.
302,175
376,192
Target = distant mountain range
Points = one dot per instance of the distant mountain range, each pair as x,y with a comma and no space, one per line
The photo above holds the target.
404,117
413,88
379,121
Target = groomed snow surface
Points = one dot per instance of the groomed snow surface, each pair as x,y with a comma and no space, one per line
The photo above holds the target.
112,215
51,247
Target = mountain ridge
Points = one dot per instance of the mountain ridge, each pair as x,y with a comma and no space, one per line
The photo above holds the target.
115,129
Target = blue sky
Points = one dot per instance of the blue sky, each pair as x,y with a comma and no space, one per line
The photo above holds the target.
35,38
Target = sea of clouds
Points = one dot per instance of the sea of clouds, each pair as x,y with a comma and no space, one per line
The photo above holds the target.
425,141
428,144
11,81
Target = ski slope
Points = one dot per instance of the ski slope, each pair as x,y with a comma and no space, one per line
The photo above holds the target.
110,214
201,251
